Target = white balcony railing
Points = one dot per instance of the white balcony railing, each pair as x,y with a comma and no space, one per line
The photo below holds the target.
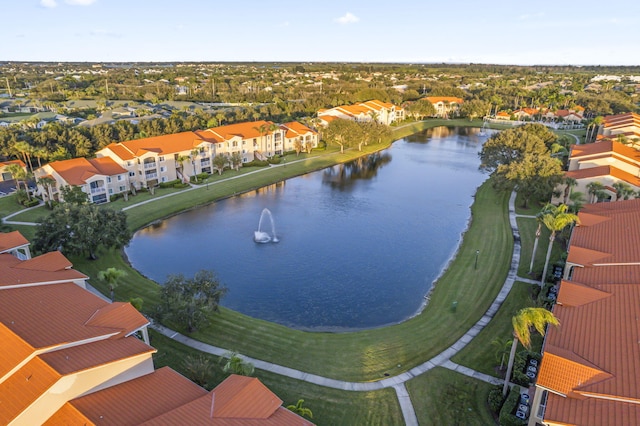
149,165
149,176
205,163
99,190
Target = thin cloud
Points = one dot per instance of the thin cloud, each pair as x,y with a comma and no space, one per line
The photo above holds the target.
48,3
347,18
79,2
528,16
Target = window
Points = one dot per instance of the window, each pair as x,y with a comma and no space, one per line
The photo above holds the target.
255,141
244,151
122,188
129,164
108,179
220,145
110,191
161,159
244,160
244,143
235,144
163,179
119,177
132,174
163,169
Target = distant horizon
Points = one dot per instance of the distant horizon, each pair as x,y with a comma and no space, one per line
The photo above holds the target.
462,32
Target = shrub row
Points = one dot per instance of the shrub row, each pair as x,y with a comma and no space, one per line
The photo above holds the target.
507,414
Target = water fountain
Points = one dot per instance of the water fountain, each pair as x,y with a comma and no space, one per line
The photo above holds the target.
260,236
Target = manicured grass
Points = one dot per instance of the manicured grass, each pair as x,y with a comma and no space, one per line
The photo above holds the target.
480,353
8,205
366,355
33,215
444,397
534,206
329,406
140,196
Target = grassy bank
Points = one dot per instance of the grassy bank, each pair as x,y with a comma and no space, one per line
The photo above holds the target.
370,354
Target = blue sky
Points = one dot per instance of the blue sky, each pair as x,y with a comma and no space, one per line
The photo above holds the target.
503,32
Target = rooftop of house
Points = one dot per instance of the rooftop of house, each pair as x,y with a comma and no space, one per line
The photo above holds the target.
603,147
294,129
599,171
591,362
77,171
161,145
449,99
46,268
10,162
246,130
12,240
621,120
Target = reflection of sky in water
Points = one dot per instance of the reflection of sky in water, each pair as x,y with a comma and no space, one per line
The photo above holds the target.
358,247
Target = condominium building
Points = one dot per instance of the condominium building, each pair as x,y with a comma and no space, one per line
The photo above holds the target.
373,110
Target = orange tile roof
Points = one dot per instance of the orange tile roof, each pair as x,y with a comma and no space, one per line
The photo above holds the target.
605,146
118,315
593,357
611,121
24,387
50,315
20,350
76,171
378,105
576,294
11,240
591,411
130,403
450,99
328,118
294,129
162,145
246,130
238,400
600,171
10,162
49,267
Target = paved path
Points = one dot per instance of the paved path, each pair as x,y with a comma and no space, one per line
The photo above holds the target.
443,359
11,222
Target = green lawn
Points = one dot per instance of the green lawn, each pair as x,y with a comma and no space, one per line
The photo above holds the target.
480,353
329,406
444,397
365,355
527,229
33,215
8,205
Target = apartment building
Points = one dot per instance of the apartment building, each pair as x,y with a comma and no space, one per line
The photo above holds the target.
373,110
446,106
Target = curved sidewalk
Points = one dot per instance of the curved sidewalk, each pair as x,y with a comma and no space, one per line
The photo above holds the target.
397,382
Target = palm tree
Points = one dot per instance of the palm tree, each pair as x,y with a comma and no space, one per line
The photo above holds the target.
570,183
555,221
180,160
577,202
236,365
503,348
112,276
596,191
545,210
522,322
623,190
300,410
194,154
262,129
47,183
20,175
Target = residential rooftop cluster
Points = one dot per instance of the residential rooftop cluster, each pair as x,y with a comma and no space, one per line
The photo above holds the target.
77,359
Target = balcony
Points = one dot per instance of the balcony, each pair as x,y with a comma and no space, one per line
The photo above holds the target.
149,165
98,190
205,163
149,176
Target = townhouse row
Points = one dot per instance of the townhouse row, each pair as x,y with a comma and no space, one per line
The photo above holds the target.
373,110
70,357
144,163
590,370
601,170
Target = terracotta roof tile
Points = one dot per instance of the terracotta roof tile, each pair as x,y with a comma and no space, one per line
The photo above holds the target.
23,387
10,162
49,267
20,350
118,315
605,146
575,294
27,311
591,411
162,145
618,274
238,400
76,171
450,99
294,129
130,403
563,371
11,240
246,130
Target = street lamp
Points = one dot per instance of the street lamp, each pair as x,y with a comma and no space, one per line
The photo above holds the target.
476,264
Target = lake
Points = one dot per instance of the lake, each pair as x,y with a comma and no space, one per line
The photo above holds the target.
360,244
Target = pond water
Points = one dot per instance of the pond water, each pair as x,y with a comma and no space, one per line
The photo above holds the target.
359,244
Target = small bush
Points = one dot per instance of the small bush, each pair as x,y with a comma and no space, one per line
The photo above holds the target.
115,197
180,185
257,163
200,177
34,202
275,160
169,184
507,414
495,399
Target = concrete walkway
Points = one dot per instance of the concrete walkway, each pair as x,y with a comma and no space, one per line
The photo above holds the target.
10,222
443,359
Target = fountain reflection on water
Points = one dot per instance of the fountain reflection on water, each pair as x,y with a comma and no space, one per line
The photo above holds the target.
262,237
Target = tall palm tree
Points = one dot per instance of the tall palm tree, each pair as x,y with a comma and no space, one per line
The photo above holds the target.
194,154
522,322
47,183
21,176
555,221
545,210
577,202
570,184
180,160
